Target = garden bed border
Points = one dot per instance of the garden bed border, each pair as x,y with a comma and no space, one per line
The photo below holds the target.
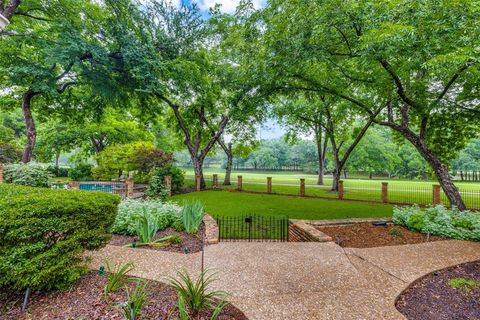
306,231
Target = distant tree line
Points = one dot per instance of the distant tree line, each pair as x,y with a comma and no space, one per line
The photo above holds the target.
378,154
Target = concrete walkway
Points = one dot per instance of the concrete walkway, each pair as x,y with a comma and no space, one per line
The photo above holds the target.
305,280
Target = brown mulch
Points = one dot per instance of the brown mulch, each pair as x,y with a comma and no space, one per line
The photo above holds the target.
367,235
432,298
86,301
191,243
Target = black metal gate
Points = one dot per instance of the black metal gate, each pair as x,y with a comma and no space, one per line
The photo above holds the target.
253,228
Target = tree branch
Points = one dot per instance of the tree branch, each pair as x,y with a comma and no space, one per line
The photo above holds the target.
398,83
452,81
10,9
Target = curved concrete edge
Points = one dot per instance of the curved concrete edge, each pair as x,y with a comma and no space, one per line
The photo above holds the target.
420,278
211,230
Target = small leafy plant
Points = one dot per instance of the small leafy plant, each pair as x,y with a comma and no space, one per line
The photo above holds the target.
167,215
194,296
192,215
116,277
136,298
395,232
464,285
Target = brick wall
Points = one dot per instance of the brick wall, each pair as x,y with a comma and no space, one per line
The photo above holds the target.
299,231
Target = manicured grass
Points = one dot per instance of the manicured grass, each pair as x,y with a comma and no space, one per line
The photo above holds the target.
224,203
399,191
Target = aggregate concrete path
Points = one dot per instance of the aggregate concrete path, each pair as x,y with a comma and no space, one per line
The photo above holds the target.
304,280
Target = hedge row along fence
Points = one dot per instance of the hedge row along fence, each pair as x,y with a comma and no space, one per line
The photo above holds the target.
44,233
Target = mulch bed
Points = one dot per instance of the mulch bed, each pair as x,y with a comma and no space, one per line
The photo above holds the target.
367,235
86,301
432,298
191,243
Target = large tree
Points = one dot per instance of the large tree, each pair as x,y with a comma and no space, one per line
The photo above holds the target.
49,56
410,66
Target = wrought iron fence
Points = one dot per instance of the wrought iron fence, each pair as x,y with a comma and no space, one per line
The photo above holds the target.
253,228
110,187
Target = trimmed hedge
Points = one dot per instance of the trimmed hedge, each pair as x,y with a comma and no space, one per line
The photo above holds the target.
440,221
44,233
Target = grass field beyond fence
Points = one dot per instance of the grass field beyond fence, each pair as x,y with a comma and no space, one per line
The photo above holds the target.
223,203
399,191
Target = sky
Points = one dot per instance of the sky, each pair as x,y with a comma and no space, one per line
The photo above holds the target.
227,6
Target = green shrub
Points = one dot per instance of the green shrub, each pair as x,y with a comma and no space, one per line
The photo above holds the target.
58,171
451,223
33,175
166,215
81,172
192,216
157,189
178,176
9,153
44,233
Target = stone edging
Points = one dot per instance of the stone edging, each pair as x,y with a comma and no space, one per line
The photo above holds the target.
211,229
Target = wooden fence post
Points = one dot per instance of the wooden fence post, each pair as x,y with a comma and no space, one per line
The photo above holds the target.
1,173
384,192
215,181
269,184
302,187
168,184
129,187
198,183
73,185
239,183
340,190
436,194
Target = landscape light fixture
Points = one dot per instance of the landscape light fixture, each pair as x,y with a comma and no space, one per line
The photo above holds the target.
3,22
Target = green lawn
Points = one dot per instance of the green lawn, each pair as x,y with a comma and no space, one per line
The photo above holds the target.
400,191
223,203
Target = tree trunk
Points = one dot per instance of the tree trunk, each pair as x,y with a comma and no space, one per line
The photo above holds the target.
57,167
440,169
336,177
228,169
30,125
198,168
321,155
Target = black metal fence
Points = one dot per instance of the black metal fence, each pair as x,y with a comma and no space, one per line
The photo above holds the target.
253,228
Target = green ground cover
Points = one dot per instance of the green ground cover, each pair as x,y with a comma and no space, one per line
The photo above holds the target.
222,203
400,191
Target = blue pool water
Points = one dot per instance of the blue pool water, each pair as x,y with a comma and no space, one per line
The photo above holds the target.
96,187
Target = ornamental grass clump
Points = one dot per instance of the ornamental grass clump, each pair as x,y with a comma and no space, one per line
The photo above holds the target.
116,277
136,299
440,221
146,227
192,216
195,296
